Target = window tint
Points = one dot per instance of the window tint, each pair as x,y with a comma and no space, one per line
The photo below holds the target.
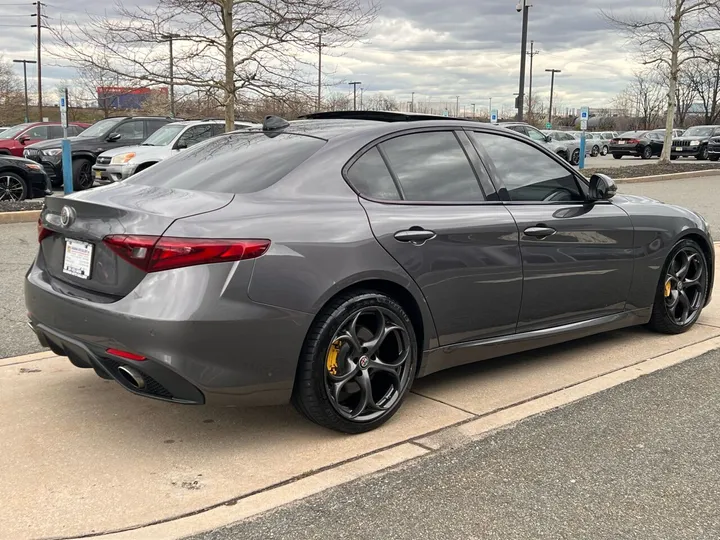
195,134
154,125
234,163
38,132
132,129
371,178
432,167
528,174
56,132
218,129
535,135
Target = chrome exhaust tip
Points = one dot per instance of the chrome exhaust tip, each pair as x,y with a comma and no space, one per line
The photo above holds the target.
133,377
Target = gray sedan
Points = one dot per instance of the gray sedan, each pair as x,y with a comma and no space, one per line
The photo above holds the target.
330,261
570,142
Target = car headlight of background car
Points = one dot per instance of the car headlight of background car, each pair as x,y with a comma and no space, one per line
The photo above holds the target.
122,158
52,152
33,166
694,143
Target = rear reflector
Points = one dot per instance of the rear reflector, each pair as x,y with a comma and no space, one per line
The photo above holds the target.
126,355
154,254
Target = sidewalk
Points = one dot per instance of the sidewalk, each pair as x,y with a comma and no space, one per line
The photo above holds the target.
641,460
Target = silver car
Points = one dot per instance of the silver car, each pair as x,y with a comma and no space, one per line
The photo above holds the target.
121,163
595,143
569,142
331,261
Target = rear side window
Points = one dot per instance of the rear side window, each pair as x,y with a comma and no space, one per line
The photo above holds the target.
369,176
432,167
233,163
56,132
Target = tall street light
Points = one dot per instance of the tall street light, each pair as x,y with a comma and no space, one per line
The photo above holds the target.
412,102
524,6
355,85
25,63
552,88
169,38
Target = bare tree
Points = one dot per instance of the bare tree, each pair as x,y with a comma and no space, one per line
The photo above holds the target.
671,40
380,102
11,94
703,77
240,49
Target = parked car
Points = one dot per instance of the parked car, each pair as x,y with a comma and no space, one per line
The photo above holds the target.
694,142
22,179
330,261
560,148
4,128
87,146
567,141
594,142
121,163
714,148
644,144
14,140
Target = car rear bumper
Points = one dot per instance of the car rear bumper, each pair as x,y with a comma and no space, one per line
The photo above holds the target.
204,340
625,150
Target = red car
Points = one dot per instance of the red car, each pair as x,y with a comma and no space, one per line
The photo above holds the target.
14,140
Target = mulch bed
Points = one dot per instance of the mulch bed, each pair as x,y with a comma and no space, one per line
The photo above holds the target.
652,169
16,206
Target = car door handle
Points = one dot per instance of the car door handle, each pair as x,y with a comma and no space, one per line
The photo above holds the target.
539,232
415,236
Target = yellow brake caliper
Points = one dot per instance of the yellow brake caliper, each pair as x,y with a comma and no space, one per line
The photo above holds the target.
331,361
668,288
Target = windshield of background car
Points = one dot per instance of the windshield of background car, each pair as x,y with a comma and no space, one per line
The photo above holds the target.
100,128
232,163
699,131
14,131
164,135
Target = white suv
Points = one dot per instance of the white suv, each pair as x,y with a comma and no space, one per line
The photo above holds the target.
120,163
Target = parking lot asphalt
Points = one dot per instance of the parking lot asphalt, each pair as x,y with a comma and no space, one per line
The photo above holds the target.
18,244
640,461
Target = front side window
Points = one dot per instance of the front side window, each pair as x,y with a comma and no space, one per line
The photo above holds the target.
535,135
432,167
529,175
38,132
132,130
194,135
56,132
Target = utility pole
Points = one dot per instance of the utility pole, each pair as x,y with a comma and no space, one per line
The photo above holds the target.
362,91
457,106
552,88
412,102
25,63
490,108
355,85
531,54
523,6
38,14
169,38
473,106
319,95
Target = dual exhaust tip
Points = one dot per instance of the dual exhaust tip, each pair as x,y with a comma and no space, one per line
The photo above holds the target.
132,377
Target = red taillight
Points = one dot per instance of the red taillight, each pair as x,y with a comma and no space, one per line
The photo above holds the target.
633,141
153,253
126,355
42,232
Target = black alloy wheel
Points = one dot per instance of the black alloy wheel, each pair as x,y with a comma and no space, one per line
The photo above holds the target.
647,153
595,151
604,151
682,291
357,364
82,174
703,154
575,157
12,187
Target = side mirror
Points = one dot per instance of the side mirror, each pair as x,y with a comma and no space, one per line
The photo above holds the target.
24,139
602,187
113,137
548,138
181,145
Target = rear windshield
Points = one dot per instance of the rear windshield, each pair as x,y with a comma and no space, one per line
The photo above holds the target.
632,134
232,163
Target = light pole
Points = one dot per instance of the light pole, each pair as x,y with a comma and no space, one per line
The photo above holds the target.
412,102
523,6
355,85
25,63
552,88
531,54
169,38
320,46
457,106
473,106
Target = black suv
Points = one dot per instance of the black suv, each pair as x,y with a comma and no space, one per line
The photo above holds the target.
104,135
694,142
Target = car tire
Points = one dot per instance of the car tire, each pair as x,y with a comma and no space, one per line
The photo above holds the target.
673,158
82,174
714,158
575,159
595,151
604,151
647,153
617,156
563,154
665,317
344,336
703,155
13,187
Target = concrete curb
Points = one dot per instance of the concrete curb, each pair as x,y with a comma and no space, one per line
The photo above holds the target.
21,216
672,176
296,489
